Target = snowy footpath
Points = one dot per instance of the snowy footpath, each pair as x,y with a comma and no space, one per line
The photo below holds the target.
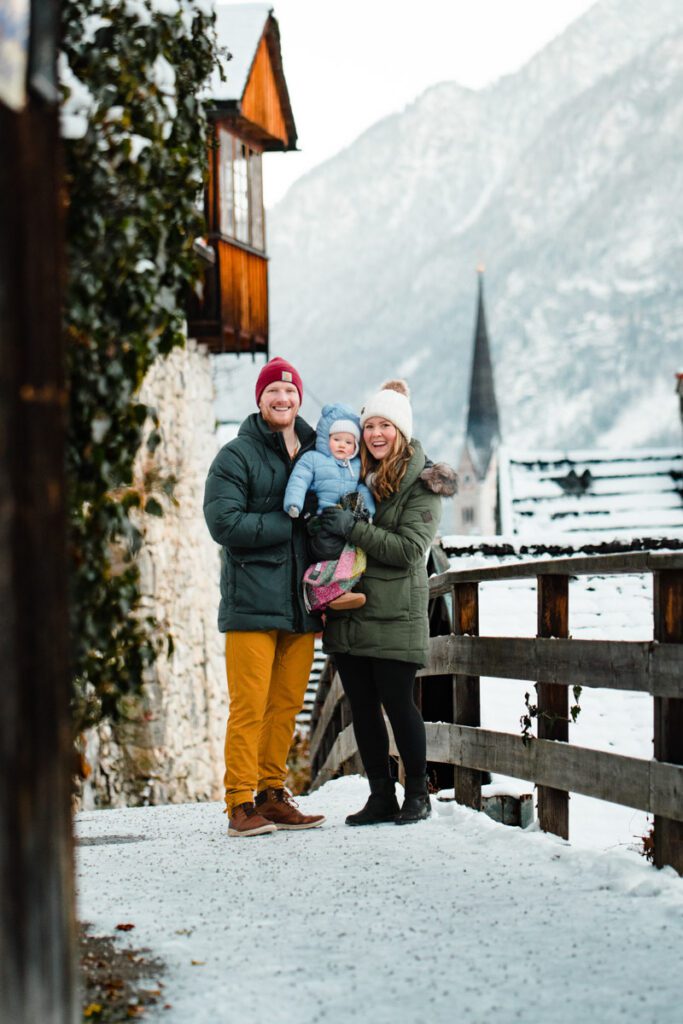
456,920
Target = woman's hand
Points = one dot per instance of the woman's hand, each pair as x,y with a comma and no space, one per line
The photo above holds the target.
338,521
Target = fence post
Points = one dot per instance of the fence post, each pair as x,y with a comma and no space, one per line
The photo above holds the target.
668,739
466,706
553,701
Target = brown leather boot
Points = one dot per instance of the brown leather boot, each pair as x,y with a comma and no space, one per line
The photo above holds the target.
276,805
346,602
245,820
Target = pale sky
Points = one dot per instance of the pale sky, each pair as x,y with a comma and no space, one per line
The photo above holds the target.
349,63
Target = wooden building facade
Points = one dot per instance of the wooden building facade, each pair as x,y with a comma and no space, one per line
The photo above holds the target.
252,115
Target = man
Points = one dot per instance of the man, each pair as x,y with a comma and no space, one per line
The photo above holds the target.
269,633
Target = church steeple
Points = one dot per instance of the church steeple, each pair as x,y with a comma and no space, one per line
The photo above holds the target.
483,426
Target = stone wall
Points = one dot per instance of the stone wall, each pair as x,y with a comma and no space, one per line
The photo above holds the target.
169,746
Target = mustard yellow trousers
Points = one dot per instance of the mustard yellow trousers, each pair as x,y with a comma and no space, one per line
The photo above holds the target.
268,672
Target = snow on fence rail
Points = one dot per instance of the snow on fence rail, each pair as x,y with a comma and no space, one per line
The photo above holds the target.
554,662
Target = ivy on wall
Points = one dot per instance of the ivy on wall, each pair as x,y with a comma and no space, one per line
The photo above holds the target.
135,146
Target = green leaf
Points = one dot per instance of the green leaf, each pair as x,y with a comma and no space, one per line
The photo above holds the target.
118,321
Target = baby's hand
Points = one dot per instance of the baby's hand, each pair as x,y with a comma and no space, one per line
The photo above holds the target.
293,511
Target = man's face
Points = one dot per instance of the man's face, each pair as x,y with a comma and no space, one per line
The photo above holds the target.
342,445
279,405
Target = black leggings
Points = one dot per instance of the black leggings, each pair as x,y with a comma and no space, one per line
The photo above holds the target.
370,683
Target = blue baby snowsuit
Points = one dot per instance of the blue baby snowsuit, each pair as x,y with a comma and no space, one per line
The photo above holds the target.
320,472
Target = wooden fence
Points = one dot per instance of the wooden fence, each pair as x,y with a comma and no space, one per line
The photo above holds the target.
553,662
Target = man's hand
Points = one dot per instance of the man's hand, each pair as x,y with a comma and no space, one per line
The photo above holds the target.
338,521
293,511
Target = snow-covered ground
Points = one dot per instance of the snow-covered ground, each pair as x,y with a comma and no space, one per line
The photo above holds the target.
456,919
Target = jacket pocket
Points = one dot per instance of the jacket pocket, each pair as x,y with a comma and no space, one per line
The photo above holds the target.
261,583
387,590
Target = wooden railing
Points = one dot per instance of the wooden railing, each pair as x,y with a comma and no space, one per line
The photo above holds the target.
554,662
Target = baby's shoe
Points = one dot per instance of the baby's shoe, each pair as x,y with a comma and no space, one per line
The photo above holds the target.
347,602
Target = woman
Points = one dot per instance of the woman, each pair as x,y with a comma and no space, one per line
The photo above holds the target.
378,648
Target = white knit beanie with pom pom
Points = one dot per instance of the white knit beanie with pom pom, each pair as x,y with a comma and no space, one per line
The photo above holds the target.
391,402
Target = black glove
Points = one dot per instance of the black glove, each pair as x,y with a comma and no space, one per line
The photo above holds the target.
314,525
325,547
338,521
310,505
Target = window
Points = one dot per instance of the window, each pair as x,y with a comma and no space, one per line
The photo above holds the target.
226,216
240,191
258,234
468,515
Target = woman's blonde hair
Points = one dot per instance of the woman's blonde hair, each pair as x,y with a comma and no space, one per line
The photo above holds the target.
386,474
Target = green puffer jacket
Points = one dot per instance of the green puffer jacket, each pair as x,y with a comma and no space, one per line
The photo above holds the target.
393,622
264,552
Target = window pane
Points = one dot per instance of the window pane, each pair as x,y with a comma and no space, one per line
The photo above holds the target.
241,187
225,184
257,227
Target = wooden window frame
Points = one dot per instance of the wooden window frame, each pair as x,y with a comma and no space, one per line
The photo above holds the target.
255,214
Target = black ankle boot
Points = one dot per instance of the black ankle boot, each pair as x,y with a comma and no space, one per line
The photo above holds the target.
416,806
381,805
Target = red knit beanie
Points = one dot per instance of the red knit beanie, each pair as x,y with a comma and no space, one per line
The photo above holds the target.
278,369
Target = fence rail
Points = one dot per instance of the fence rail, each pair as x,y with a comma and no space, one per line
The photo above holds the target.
554,662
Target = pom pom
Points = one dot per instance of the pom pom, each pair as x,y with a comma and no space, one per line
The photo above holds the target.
396,385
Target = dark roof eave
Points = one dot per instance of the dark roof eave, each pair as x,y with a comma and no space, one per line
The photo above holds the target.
232,110
221,108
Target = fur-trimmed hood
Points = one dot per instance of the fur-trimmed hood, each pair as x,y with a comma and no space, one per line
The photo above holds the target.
329,415
440,478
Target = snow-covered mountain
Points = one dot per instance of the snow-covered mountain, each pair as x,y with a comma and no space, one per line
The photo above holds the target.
566,178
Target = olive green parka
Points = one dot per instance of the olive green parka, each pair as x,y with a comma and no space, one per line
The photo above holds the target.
264,554
393,622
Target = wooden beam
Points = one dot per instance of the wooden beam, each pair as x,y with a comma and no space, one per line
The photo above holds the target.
37,937
335,694
668,713
645,785
640,666
584,565
466,702
343,749
553,701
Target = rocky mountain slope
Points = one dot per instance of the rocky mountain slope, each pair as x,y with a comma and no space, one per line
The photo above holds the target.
566,178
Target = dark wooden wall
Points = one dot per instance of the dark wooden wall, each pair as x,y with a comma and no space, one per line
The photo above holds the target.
36,899
244,297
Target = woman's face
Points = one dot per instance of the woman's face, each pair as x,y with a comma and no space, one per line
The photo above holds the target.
379,436
279,405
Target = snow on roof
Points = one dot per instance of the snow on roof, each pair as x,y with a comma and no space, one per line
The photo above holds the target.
554,542
594,491
239,28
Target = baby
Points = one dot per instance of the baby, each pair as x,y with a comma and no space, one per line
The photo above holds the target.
333,469
332,472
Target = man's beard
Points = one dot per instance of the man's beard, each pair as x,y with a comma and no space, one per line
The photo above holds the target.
275,425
